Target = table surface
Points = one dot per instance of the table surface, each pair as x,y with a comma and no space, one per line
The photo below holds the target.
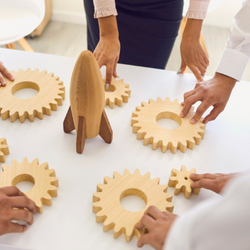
70,223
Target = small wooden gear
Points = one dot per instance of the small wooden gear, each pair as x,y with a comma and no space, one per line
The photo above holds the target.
117,93
109,210
4,149
50,95
45,182
181,181
144,122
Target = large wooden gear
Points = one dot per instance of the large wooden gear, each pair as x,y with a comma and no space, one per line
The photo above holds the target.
181,181
117,93
50,95
109,210
4,149
144,122
45,182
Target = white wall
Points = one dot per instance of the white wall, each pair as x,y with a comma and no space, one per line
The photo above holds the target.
68,11
72,11
223,15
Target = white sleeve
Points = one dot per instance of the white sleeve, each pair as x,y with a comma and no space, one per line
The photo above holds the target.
218,223
237,52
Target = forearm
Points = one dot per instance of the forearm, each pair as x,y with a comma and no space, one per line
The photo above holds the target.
192,29
108,27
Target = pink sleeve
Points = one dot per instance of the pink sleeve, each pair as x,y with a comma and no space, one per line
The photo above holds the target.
104,8
197,9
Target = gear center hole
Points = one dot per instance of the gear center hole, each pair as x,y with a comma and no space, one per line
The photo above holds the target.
24,182
111,88
133,200
169,120
25,90
185,178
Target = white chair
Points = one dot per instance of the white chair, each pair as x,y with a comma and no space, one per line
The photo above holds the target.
18,18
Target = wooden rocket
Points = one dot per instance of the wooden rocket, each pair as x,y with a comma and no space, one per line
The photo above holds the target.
87,99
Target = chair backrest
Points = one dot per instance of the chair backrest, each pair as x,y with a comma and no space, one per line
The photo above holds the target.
19,18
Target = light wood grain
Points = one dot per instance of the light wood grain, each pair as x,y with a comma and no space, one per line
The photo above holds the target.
87,93
181,181
4,149
144,123
45,182
51,93
109,210
87,99
117,93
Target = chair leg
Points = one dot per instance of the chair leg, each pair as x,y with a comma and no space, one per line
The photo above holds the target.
24,44
10,46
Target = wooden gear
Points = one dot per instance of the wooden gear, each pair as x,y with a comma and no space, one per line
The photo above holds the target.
117,93
109,210
45,182
4,149
86,113
144,122
50,95
181,181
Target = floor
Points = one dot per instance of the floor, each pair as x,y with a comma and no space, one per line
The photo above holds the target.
70,39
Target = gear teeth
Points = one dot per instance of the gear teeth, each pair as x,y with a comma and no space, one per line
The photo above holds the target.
107,179
13,108
107,203
4,167
145,126
159,99
126,172
100,216
54,182
116,174
108,225
97,206
97,196
119,95
100,187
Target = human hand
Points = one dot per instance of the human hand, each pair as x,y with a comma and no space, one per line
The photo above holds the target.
107,51
194,57
4,72
158,225
213,182
214,92
192,52
14,205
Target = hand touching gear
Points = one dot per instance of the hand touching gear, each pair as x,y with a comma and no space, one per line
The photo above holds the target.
12,198
214,92
213,182
158,224
5,72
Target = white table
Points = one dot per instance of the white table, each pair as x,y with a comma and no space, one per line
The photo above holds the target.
70,223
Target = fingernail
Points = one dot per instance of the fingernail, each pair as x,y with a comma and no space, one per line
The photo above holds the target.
192,120
182,114
107,86
178,72
191,175
12,78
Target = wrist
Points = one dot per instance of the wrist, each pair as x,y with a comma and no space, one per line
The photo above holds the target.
108,27
192,30
225,79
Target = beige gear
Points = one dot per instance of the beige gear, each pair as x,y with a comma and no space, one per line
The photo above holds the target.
45,182
4,149
117,93
109,210
50,94
181,181
144,122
